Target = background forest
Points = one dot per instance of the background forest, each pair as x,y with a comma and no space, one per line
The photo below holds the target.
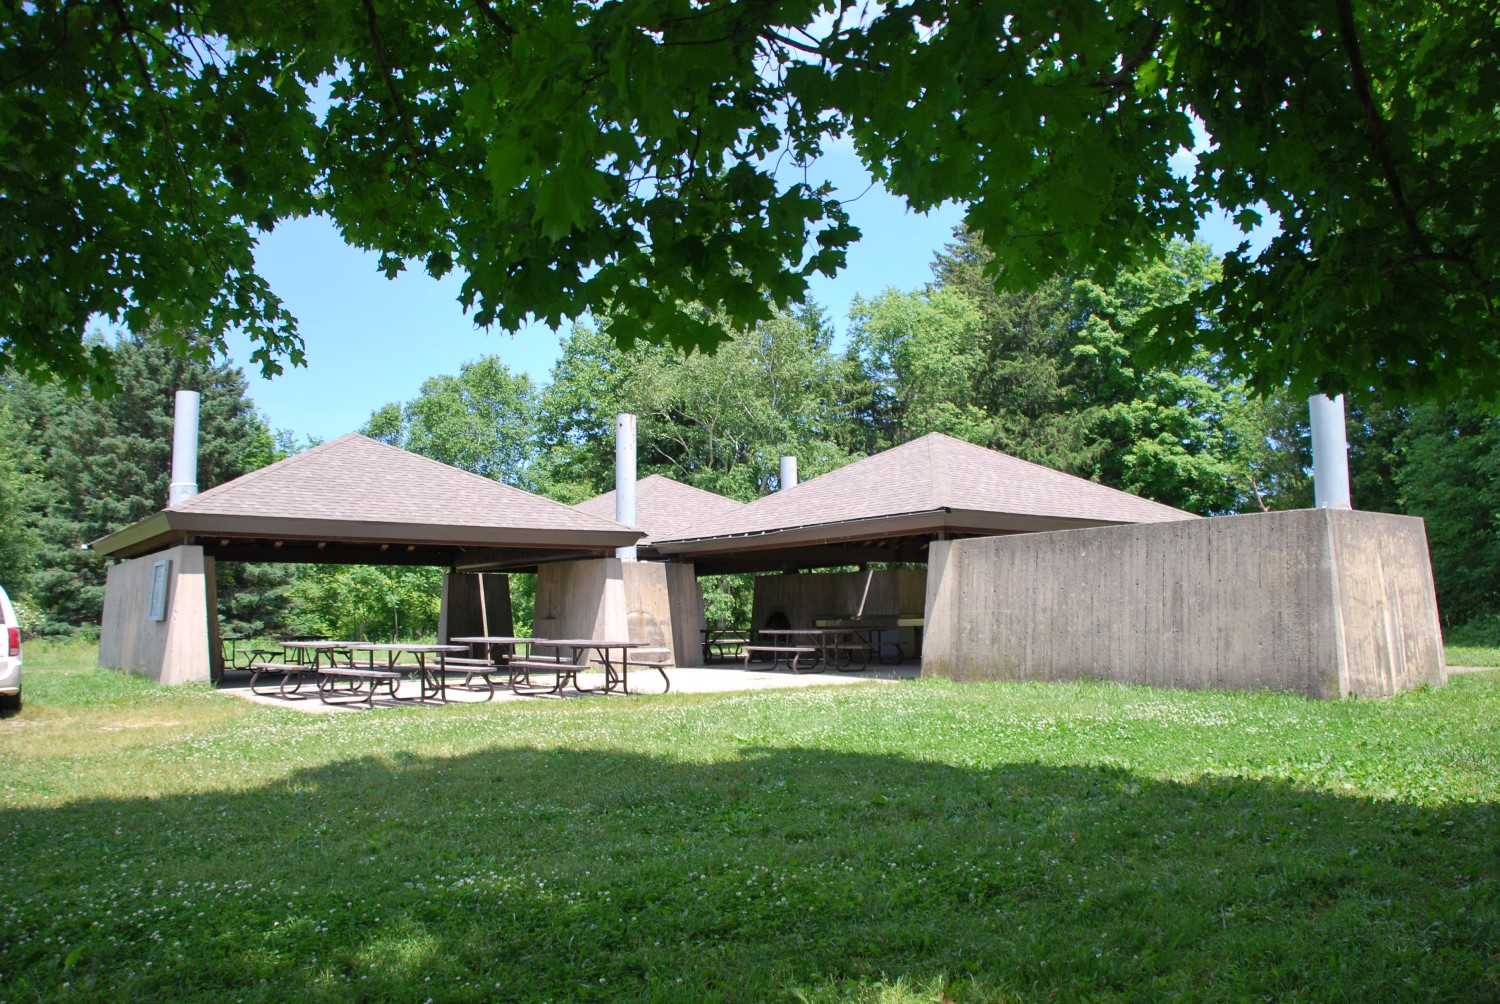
1053,376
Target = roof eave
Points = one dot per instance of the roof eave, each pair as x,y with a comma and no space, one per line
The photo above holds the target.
174,525
966,521
138,537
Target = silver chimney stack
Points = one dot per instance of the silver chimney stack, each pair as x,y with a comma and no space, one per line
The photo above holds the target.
788,473
184,449
1330,449
625,478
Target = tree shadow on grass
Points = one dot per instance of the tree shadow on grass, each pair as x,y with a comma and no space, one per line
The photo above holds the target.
598,875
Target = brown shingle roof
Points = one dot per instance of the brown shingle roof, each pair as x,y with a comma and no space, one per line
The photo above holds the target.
354,489
935,474
665,508
361,480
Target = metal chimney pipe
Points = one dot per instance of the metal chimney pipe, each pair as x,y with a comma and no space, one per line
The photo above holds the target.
1330,447
184,448
788,473
625,478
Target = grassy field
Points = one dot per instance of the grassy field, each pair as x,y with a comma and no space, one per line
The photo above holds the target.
1472,655
891,843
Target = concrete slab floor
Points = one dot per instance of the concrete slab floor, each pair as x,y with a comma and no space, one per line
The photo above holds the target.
727,678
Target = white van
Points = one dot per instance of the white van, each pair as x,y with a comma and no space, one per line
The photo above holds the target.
10,656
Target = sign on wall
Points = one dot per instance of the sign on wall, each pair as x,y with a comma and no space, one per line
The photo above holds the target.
160,572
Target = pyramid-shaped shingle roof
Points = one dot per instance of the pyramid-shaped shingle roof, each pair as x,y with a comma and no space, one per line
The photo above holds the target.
356,490
928,485
664,507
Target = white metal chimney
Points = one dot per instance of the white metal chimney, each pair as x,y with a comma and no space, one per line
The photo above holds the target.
788,473
625,478
184,448
1330,448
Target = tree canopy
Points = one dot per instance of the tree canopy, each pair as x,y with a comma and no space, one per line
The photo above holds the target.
637,159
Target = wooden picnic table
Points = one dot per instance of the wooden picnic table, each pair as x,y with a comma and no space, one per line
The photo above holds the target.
432,683
309,653
364,681
616,674
827,644
717,642
499,651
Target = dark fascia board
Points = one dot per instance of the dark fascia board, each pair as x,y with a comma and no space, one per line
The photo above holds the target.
168,525
955,521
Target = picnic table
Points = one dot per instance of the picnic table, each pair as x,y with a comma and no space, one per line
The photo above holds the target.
826,646
299,658
721,643
334,662
567,667
432,681
498,652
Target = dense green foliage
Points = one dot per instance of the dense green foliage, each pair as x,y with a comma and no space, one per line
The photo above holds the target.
719,422
1449,474
878,843
635,159
1052,376
479,421
104,464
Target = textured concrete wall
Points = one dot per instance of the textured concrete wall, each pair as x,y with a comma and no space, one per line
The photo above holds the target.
685,604
1388,617
664,609
181,648
462,615
1321,602
811,596
580,599
654,603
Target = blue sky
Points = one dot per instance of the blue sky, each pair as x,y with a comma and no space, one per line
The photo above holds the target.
371,340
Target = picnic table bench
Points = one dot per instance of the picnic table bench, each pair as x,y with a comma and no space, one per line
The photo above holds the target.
373,678
779,654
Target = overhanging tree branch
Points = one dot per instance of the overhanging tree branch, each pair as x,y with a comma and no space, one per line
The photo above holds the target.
1349,37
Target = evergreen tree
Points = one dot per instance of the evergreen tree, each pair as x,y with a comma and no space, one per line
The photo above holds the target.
107,464
1449,474
23,499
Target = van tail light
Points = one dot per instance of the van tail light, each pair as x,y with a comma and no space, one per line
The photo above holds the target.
15,640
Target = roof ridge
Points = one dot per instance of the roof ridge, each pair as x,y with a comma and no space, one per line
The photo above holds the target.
937,463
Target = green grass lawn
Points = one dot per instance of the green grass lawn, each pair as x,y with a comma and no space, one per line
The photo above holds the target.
1471,655
894,843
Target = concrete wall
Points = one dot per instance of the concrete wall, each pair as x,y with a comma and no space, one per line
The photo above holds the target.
462,615
1325,603
181,648
810,596
655,603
